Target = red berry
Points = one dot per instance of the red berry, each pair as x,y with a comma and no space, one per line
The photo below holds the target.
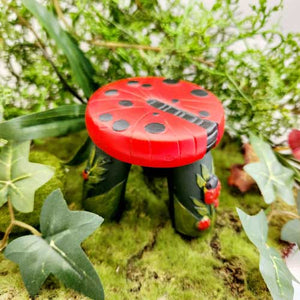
204,223
85,174
209,196
216,202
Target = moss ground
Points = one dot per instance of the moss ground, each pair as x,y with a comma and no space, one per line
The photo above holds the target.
141,257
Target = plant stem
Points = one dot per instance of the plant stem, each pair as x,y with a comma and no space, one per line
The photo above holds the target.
14,222
60,14
282,212
11,210
238,89
3,242
28,227
123,45
114,45
281,148
8,230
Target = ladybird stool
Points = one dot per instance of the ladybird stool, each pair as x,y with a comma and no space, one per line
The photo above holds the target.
163,125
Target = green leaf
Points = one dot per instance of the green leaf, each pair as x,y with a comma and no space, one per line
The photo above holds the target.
290,232
96,168
272,178
1,111
276,274
82,153
196,201
256,227
3,142
58,251
201,208
273,269
205,172
19,178
298,201
54,122
200,181
82,69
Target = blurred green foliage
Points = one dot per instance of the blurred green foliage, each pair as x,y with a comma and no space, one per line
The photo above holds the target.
252,67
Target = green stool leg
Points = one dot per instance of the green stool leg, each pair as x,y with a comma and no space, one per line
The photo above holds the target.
193,190
105,183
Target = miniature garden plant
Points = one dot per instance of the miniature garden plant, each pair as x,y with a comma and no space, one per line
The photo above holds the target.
56,249
272,267
274,180
255,85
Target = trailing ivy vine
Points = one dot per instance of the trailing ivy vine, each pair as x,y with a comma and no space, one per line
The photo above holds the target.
56,249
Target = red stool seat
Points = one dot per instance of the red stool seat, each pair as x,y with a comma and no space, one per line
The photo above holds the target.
155,122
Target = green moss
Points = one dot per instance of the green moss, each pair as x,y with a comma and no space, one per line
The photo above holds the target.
64,147
57,181
141,256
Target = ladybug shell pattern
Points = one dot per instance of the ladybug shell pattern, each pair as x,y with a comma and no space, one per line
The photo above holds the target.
154,122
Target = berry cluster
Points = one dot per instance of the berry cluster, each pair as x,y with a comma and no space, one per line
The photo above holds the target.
212,189
211,195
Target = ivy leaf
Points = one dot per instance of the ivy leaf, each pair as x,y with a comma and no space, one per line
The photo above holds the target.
276,274
19,178
256,227
272,178
58,251
290,232
273,269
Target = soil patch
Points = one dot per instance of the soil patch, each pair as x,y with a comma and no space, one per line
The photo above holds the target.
231,271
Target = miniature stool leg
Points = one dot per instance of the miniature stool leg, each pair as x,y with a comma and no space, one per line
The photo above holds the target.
105,183
194,191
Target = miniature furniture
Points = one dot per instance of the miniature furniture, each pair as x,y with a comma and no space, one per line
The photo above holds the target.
155,123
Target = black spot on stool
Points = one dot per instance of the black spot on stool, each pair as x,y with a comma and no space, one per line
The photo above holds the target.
155,128
170,81
125,103
105,117
132,82
120,125
146,85
199,93
204,113
111,92
155,114
175,100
